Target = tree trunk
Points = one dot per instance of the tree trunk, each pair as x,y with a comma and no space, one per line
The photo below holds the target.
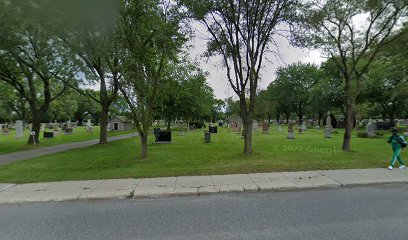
103,136
35,128
143,139
247,135
319,119
168,124
349,120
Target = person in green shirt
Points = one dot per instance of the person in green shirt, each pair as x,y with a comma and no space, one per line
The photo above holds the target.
398,143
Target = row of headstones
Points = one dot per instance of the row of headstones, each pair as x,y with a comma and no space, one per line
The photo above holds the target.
372,127
164,136
67,127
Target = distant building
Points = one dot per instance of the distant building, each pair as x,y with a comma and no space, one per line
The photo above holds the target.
119,123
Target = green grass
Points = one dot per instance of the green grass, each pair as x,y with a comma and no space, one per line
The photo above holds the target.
8,143
189,155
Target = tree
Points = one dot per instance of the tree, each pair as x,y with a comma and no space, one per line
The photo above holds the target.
387,86
241,32
217,110
92,38
63,109
232,107
351,33
11,104
184,93
267,105
86,106
30,57
293,85
150,38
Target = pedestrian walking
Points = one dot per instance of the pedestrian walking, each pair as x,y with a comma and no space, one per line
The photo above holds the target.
397,143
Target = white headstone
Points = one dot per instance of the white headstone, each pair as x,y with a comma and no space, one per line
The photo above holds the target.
329,128
19,129
328,120
304,127
42,128
254,125
370,129
89,123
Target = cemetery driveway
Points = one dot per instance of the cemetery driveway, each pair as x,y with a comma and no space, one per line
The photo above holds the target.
27,154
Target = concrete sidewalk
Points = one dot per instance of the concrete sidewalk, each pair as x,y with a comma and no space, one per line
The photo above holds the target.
196,185
27,154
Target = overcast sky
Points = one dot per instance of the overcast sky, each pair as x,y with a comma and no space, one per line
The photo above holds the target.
217,78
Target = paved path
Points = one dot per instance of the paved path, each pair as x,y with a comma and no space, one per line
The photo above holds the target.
368,213
197,185
27,154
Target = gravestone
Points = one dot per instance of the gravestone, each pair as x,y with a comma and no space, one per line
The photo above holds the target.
265,128
385,125
42,128
235,122
280,128
19,129
304,127
181,130
212,129
5,130
68,131
89,129
328,128
370,129
162,136
207,137
291,133
48,134
56,129
254,125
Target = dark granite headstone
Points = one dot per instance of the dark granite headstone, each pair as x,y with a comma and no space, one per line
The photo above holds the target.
207,137
165,136
212,129
68,131
48,134
162,135
385,125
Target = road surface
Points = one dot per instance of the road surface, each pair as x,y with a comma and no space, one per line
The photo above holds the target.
345,213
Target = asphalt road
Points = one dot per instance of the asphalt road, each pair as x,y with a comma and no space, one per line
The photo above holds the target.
345,213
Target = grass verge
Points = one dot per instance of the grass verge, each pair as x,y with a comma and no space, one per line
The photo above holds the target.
189,155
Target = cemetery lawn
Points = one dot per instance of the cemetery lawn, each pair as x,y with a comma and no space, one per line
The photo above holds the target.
189,155
8,143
